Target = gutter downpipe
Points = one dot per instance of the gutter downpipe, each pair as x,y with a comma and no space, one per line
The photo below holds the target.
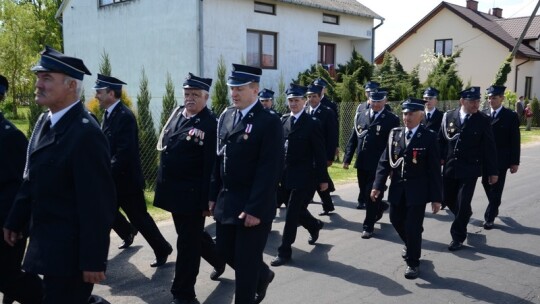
373,40
201,42
517,72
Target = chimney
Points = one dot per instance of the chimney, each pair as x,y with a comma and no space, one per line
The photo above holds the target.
472,4
497,12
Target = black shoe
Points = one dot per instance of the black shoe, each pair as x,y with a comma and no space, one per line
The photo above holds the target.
361,205
366,234
411,272
454,245
128,240
314,235
404,253
217,272
488,225
263,286
325,212
278,261
183,301
162,258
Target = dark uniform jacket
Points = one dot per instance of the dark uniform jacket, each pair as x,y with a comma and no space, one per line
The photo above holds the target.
505,128
467,148
327,118
325,101
187,160
305,160
12,157
417,172
434,123
122,133
69,197
248,167
369,139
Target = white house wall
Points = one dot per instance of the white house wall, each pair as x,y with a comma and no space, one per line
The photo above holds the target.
159,35
298,31
529,69
162,36
481,55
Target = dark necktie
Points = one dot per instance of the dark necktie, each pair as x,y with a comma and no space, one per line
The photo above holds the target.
45,128
493,114
105,118
428,116
237,117
408,137
466,118
373,116
293,120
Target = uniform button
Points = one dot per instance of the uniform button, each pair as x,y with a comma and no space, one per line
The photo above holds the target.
166,153
457,150
226,189
404,179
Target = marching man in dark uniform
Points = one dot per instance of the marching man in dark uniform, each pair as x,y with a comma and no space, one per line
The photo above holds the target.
305,170
468,149
15,284
68,192
505,126
188,152
120,128
412,158
266,97
325,101
368,139
328,122
433,117
243,187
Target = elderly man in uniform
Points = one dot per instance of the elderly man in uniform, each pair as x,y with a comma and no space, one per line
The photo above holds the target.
243,187
188,152
328,121
15,284
468,149
305,170
368,139
68,191
412,159
433,117
505,126
120,128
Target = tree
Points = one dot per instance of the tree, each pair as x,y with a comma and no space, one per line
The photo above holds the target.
280,99
349,95
504,70
147,134
220,94
445,78
169,101
18,28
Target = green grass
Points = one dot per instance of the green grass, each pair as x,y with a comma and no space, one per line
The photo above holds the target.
531,136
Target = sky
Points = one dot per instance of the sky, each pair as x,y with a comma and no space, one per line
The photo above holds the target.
401,15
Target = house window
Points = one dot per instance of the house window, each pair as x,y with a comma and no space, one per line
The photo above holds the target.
265,8
443,47
262,49
107,2
327,53
331,19
528,87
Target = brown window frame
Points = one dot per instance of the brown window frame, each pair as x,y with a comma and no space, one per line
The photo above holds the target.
260,49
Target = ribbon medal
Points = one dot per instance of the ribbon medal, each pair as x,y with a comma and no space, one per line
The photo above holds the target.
247,131
378,129
190,134
414,155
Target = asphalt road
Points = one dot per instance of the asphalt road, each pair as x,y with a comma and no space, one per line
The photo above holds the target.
496,266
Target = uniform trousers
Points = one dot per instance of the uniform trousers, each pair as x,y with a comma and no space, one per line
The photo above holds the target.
494,194
242,248
25,288
373,209
408,222
134,206
458,193
66,290
326,199
192,244
297,213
